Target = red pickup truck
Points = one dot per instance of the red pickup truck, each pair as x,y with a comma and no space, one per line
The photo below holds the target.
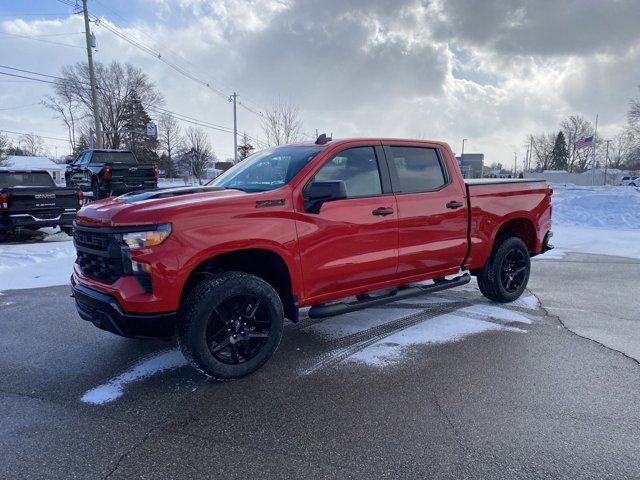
334,225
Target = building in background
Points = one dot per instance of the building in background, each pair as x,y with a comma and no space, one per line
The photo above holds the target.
472,167
56,170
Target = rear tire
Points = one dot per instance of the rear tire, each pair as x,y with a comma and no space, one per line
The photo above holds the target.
230,325
95,189
505,275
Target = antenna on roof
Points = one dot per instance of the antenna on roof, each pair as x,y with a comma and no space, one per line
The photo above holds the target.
322,139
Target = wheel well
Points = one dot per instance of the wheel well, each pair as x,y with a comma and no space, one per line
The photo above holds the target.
264,264
522,228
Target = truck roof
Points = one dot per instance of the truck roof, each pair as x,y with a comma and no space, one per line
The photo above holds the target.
363,139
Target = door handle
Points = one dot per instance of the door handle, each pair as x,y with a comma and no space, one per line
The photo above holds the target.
454,204
382,211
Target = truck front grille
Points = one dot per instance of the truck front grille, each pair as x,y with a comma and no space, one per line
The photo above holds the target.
100,257
100,268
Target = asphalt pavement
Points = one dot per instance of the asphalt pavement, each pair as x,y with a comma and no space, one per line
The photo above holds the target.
527,399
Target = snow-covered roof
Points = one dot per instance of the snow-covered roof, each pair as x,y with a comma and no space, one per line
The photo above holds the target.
554,171
31,163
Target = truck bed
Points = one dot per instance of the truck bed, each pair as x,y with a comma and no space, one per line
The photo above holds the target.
494,201
499,181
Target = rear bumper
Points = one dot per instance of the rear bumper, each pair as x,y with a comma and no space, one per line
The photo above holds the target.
546,246
106,313
33,221
116,186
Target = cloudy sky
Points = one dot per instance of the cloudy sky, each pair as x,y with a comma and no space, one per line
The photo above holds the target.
490,71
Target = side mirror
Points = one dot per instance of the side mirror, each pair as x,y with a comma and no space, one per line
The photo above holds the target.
320,192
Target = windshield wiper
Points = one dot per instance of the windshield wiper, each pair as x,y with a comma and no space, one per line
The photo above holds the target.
235,188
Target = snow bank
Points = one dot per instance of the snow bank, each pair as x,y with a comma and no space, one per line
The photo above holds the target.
605,207
35,265
598,220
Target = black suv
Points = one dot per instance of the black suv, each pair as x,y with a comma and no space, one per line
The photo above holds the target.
110,172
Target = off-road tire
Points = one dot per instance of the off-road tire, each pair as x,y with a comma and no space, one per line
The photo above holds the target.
67,230
489,276
193,321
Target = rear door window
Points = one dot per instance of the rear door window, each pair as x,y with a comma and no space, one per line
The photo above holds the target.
26,179
419,169
113,157
358,168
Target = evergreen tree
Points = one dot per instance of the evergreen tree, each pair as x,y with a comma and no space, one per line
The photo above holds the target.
80,145
137,141
560,154
245,148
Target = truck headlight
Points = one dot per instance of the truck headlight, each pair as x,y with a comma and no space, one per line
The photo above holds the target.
147,238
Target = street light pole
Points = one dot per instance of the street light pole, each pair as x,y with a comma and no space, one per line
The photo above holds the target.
462,157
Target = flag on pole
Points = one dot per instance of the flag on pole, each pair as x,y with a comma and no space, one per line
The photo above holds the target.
585,142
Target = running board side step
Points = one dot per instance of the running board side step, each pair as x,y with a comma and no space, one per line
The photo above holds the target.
329,310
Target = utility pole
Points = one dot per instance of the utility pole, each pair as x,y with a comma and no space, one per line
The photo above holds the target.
92,76
235,127
606,161
515,167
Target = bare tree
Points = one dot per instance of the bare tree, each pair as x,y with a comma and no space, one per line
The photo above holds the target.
118,85
543,144
198,155
65,103
576,127
169,137
32,144
281,124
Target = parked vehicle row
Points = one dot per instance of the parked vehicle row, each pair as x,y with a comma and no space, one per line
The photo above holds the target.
333,225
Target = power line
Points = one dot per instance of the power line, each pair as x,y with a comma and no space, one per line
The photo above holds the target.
29,78
39,39
18,107
30,133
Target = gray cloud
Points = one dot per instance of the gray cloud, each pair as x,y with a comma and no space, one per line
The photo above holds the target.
489,71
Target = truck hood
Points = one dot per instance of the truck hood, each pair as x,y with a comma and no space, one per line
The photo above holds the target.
139,208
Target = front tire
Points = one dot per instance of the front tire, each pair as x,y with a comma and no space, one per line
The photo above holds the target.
505,275
230,325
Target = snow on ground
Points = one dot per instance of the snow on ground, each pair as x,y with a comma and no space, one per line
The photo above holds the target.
598,220
152,365
445,328
354,322
35,265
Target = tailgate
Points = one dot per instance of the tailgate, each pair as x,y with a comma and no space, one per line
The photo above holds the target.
128,173
33,199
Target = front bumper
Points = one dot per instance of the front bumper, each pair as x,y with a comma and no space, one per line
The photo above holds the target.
106,313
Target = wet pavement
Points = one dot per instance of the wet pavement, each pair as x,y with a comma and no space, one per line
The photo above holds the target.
445,386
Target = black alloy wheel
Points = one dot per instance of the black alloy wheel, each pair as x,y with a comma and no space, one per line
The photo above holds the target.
230,325
513,271
238,329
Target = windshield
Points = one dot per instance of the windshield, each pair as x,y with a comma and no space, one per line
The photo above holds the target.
113,157
26,179
268,169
